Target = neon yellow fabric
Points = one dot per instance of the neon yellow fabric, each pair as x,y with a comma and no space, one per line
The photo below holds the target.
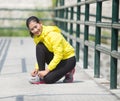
52,38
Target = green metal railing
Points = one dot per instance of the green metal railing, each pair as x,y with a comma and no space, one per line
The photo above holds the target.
69,19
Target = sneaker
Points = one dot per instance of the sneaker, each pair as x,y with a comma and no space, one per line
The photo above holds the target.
69,76
36,80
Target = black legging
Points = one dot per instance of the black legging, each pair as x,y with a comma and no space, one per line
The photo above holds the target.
43,56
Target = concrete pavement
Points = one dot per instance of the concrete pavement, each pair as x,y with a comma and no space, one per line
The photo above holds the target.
17,59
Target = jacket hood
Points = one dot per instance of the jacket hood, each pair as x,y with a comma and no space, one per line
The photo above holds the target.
46,30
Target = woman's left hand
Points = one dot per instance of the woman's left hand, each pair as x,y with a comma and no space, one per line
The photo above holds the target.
42,73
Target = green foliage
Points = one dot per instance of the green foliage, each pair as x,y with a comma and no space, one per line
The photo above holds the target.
20,27
10,32
20,24
54,3
91,38
104,37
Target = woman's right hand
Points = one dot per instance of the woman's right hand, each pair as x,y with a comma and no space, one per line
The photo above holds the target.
34,73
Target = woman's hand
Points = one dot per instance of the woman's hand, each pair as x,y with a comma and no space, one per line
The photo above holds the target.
34,73
42,73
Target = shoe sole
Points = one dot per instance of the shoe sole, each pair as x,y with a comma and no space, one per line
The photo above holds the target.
42,82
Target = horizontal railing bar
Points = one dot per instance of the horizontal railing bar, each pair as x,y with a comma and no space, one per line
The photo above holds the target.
108,25
90,1
107,51
103,49
68,20
79,40
24,18
79,4
63,20
16,9
103,24
12,18
90,23
15,28
115,54
89,44
102,0
69,6
117,25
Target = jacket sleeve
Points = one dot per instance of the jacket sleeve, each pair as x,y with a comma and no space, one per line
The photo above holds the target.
56,42
36,66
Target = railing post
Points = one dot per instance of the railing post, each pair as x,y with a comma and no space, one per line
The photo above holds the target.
97,40
56,12
114,44
71,25
78,33
86,31
66,24
62,14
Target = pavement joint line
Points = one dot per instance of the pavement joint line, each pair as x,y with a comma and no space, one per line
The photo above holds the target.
2,43
20,98
24,68
21,42
5,54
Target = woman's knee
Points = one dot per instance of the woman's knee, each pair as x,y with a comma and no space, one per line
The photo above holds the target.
40,46
51,78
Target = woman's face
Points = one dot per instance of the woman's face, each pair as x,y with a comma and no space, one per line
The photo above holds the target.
35,28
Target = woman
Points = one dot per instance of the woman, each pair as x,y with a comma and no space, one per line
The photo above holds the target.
53,49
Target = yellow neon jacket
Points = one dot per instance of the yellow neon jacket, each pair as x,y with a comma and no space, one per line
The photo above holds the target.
52,38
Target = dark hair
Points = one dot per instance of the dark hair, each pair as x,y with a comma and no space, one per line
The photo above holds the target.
31,18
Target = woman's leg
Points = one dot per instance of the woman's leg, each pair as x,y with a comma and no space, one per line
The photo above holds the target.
61,70
43,55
